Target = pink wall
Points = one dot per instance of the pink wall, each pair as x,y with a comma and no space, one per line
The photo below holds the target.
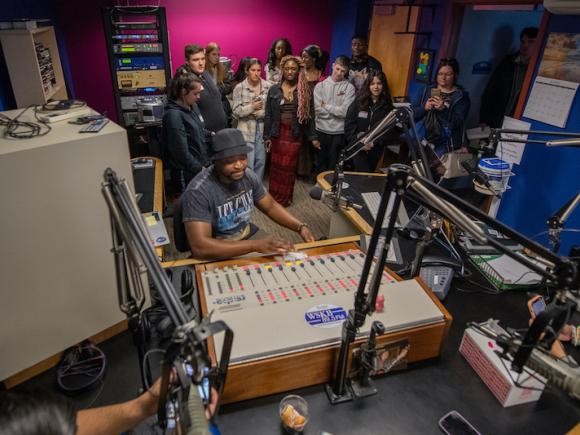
241,27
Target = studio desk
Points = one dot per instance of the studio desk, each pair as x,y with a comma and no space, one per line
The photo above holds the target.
287,316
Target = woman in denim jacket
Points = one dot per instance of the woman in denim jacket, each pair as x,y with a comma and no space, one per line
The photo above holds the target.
288,117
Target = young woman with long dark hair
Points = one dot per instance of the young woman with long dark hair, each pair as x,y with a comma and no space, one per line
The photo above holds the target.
314,61
280,48
372,103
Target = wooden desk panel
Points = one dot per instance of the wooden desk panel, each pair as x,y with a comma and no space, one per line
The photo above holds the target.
246,380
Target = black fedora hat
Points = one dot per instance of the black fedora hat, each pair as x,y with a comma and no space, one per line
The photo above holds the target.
229,142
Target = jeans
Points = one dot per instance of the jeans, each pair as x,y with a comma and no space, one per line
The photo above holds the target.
257,156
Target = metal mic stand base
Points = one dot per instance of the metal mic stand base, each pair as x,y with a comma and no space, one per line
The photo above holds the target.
361,390
334,398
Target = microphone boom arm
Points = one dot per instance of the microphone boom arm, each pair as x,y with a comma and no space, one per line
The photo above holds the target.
189,340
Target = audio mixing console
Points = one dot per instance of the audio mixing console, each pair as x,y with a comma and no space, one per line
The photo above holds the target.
279,307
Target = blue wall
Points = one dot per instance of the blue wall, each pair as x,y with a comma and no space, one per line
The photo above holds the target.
501,37
351,17
547,177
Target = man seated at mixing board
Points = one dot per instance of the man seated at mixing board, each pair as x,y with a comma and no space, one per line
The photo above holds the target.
218,204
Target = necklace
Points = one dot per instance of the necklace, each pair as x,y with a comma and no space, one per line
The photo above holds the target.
288,92
312,75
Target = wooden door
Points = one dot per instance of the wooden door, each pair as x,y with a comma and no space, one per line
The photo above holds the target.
395,52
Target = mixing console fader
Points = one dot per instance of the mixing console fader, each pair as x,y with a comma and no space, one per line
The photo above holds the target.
282,282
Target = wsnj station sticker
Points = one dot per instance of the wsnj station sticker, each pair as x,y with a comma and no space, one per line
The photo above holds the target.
325,316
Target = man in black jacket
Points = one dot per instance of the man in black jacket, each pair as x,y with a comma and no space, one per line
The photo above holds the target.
210,101
502,92
361,63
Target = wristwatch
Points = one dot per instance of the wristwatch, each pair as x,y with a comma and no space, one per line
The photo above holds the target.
302,225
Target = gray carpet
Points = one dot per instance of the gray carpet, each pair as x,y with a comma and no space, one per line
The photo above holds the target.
314,213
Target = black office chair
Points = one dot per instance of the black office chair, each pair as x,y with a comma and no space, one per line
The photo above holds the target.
179,234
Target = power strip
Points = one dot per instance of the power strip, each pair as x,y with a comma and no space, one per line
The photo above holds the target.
63,115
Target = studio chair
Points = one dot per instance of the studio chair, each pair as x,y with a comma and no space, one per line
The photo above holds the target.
179,234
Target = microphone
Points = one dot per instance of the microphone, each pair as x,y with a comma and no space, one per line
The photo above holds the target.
198,425
556,371
330,198
564,143
479,176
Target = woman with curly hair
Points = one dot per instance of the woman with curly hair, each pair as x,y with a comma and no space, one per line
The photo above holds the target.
288,118
372,103
280,48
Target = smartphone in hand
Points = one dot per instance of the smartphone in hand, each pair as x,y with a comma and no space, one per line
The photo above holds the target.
435,93
536,305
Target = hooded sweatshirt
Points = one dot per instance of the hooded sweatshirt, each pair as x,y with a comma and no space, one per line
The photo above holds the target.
184,139
336,96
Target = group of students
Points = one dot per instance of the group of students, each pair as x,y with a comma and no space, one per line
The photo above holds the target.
297,114
304,120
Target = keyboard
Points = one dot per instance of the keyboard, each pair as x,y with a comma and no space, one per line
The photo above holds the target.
94,126
372,201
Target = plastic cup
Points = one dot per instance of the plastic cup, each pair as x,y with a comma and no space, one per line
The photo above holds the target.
293,413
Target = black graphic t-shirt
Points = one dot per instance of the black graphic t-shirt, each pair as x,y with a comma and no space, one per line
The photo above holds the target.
227,207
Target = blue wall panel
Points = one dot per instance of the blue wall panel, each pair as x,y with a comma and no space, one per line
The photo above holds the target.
547,177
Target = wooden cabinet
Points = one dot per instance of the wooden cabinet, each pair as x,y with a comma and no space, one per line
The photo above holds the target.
57,274
33,65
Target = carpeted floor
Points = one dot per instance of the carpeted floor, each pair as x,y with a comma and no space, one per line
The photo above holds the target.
306,209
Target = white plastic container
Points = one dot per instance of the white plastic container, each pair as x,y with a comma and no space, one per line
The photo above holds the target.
497,172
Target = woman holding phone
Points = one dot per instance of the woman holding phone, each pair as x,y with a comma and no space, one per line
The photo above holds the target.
249,102
443,108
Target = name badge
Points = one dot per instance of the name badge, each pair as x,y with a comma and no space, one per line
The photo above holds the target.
363,114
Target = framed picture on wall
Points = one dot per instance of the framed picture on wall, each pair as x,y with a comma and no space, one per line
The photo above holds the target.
424,58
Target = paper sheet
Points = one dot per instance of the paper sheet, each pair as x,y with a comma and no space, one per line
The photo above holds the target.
550,101
512,152
512,272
